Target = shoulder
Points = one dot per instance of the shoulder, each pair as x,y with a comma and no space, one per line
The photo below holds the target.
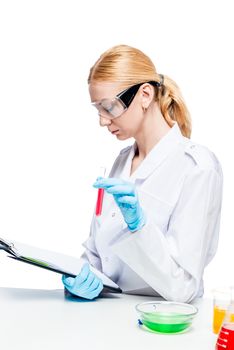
204,171
203,157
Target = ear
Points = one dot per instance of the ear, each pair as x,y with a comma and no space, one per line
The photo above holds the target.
147,95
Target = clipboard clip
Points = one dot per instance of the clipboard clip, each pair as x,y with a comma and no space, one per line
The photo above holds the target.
8,246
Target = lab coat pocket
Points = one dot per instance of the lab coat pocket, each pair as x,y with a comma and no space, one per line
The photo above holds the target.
156,209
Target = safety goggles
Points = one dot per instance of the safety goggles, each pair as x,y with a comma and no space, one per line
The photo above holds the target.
113,108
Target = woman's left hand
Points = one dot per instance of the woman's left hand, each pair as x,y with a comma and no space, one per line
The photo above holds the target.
85,285
125,195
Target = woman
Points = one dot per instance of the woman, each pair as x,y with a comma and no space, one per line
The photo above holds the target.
161,213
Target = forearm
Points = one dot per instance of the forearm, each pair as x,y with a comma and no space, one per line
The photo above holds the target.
147,252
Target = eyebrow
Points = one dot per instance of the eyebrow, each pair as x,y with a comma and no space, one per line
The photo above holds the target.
106,98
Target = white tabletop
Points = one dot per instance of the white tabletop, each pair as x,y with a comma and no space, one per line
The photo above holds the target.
47,319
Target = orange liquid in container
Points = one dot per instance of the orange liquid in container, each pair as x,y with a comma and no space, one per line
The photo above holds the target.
218,318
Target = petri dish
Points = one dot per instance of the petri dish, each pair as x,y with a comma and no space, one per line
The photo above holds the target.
166,316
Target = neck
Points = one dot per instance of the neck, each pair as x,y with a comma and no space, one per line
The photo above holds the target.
152,130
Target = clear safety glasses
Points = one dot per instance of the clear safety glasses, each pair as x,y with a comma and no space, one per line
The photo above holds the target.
114,108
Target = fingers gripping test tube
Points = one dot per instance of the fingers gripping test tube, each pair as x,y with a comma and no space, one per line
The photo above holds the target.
100,194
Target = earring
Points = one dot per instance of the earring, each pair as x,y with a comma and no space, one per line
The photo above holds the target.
144,109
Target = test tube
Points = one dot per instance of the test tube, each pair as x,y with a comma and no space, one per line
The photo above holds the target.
100,194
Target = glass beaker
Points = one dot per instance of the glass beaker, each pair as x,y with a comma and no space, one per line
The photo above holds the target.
221,300
225,339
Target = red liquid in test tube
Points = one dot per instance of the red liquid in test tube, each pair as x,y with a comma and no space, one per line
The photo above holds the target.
100,196
99,201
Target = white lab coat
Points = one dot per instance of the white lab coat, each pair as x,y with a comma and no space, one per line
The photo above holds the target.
180,190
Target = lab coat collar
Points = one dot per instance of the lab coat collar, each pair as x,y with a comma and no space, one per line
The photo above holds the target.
155,157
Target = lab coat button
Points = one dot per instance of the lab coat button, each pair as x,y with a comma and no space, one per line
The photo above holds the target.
106,259
113,214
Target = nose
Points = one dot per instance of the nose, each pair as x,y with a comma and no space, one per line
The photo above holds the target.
104,121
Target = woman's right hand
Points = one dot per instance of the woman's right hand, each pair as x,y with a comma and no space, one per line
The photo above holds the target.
126,197
85,285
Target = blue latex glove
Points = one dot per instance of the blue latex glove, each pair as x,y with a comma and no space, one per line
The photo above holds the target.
126,198
85,285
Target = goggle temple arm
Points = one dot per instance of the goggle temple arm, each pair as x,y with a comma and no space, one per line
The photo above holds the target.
128,95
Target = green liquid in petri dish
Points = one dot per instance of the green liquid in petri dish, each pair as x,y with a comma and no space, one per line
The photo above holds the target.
166,327
166,324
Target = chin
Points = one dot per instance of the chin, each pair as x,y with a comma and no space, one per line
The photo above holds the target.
122,137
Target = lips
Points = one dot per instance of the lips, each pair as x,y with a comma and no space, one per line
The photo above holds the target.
114,132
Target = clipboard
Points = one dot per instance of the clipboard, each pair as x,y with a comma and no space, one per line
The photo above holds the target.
53,261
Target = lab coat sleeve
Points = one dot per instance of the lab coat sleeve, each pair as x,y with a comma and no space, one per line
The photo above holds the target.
173,263
90,254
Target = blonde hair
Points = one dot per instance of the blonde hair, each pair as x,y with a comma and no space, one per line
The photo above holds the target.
129,66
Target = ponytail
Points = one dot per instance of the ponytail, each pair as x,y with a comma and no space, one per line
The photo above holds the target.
172,105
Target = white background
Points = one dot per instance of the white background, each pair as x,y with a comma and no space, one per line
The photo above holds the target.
51,145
